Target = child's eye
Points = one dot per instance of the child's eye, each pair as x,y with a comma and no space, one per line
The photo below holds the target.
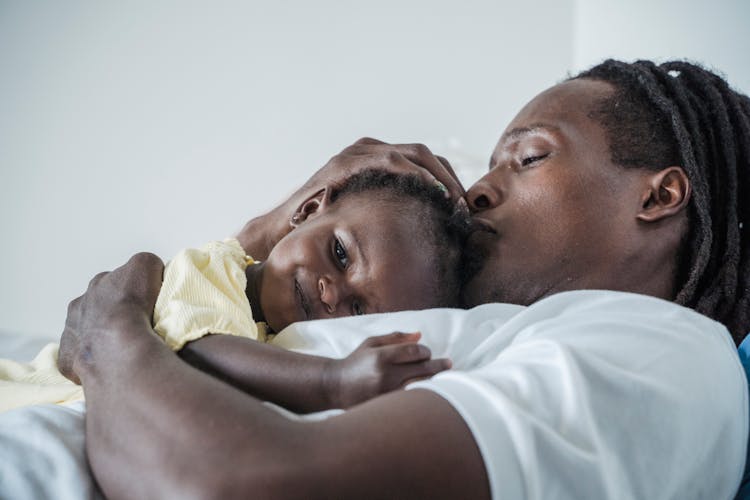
529,160
339,253
357,309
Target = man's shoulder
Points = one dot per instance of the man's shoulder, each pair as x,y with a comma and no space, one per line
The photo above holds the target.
593,382
594,301
605,317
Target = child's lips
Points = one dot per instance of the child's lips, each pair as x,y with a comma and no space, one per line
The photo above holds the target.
302,302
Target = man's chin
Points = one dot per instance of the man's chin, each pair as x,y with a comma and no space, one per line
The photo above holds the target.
481,289
478,281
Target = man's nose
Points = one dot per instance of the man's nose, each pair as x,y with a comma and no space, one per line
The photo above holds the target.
331,294
486,193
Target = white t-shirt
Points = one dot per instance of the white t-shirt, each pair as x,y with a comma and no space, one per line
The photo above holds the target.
586,394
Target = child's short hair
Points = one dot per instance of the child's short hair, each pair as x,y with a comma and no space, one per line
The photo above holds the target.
437,221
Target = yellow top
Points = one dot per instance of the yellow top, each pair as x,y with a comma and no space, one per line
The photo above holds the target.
37,382
203,292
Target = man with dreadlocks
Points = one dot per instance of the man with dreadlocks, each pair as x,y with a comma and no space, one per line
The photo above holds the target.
675,126
612,202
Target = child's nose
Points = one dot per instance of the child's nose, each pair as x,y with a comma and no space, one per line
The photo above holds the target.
330,294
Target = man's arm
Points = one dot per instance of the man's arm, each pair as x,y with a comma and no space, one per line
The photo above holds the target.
156,427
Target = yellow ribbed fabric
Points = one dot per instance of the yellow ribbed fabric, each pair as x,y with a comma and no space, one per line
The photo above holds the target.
37,382
203,292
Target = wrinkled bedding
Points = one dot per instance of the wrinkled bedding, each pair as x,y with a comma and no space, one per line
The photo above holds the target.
42,452
42,449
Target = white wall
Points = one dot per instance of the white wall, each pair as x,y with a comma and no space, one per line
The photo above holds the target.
715,33
156,125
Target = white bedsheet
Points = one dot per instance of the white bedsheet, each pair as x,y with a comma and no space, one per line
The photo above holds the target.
42,450
43,455
42,447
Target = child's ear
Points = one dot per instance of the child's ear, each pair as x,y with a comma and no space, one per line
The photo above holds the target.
667,193
312,206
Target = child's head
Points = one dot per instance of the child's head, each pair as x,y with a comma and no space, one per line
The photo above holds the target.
378,242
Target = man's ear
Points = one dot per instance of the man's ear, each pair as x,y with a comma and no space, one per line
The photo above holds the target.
312,206
667,193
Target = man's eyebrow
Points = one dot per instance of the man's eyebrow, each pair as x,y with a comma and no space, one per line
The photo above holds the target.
518,132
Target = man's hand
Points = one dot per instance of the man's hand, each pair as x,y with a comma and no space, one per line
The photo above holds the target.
369,153
261,234
112,300
379,365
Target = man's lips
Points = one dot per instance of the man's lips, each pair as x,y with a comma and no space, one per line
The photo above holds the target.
479,224
302,301
483,238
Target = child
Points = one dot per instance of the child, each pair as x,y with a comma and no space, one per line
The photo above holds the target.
378,242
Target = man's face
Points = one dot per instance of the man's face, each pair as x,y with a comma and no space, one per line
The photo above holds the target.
558,211
358,255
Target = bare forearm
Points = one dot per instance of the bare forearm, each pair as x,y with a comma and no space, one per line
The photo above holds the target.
259,235
298,382
158,428
147,395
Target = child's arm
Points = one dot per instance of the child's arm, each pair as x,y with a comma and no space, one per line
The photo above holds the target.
305,383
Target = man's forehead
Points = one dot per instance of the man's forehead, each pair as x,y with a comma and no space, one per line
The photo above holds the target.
569,98
554,110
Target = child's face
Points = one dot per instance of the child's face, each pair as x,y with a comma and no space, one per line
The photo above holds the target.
358,255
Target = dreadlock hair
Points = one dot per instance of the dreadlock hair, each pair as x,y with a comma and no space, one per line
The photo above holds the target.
436,221
679,113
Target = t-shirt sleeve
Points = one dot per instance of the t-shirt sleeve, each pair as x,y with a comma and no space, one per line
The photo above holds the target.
609,396
203,292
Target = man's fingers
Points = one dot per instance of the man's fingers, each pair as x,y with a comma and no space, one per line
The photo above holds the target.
137,283
437,168
147,262
451,172
96,279
66,355
141,276
443,174
69,341
403,159
142,273
447,165
74,307
368,140
363,146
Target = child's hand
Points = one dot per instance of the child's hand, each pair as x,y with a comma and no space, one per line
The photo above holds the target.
381,364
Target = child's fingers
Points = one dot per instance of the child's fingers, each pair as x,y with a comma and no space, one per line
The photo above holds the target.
404,353
423,370
392,338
